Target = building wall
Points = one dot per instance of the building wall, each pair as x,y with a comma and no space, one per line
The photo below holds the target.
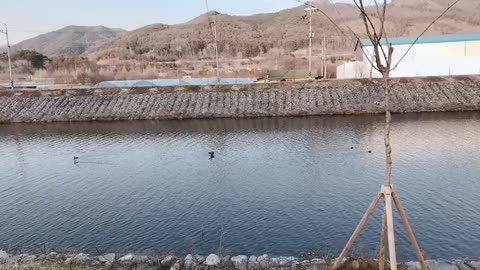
433,59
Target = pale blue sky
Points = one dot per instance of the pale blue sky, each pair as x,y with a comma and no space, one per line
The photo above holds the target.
28,18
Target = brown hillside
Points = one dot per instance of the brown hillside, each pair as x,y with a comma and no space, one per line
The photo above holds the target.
249,36
70,40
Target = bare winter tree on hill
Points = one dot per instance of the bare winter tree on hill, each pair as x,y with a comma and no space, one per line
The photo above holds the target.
383,62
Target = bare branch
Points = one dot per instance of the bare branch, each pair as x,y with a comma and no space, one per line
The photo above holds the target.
366,21
343,32
376,41
382,17
378,13
424,31
364,51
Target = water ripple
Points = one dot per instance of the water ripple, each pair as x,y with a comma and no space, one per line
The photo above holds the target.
280,186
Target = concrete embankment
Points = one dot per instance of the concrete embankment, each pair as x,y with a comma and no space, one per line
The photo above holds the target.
130,261
265,100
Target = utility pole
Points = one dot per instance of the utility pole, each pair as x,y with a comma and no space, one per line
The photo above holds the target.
215,38
216,46
324,56
8,53
310,37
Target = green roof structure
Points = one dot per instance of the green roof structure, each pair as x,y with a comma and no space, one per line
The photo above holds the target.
294,74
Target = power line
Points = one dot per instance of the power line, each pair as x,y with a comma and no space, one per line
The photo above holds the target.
424,31
359,41
374,37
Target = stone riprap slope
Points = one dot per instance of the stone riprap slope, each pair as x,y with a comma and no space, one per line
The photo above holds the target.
263,100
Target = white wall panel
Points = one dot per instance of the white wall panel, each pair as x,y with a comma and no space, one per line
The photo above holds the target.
438,59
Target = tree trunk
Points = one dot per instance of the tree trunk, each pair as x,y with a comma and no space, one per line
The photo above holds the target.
388,120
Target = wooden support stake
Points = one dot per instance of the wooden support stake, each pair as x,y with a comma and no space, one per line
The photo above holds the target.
409,229
390,227
357,231
383,244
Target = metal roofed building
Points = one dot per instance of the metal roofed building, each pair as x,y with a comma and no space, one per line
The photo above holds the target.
431,56
173,82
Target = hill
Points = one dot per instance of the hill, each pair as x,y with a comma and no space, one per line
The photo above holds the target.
71,40
243,36
249,46
282,32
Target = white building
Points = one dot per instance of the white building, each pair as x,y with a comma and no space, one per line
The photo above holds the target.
430,56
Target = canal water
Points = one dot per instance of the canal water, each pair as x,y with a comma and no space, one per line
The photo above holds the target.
281,186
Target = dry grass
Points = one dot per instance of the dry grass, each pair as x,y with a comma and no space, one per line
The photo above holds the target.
82,71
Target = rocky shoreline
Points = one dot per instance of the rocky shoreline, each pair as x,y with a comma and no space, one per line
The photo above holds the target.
56,260
339,97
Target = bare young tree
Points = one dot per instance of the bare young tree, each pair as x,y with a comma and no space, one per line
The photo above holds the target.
382,61
383,58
